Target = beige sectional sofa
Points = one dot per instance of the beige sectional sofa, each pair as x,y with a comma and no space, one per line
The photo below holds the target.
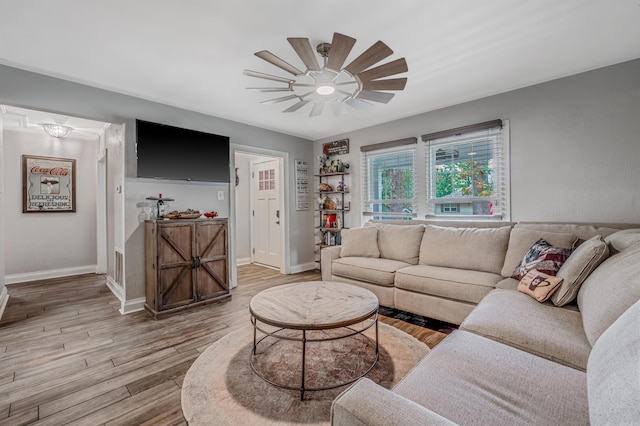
513,360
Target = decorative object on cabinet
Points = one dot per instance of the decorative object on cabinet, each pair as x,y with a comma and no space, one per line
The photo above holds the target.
159,202
186,264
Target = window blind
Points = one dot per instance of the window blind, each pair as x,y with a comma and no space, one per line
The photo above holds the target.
388,183
466,174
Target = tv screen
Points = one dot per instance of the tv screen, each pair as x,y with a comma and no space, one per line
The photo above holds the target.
168,152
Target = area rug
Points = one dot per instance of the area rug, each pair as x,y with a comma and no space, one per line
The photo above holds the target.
221,388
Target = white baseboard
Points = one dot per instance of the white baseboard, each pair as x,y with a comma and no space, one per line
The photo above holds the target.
133,305
115,289
295,269
4,298
126,306
52,273
243,261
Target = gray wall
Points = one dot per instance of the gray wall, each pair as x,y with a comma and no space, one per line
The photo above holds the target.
51,243
575,145
26,89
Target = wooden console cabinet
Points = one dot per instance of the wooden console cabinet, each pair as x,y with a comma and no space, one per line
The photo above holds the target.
187,264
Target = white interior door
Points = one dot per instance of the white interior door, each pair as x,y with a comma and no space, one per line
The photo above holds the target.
267,215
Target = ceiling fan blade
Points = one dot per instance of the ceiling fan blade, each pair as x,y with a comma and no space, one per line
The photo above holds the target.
267,76
271,89
339,109
273,59
390,68
359,104
317,109
374,54
277,100
305,51
389,84
381,97
341,46
296,106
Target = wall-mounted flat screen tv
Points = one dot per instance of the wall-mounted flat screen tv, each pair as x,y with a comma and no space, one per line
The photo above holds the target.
167,152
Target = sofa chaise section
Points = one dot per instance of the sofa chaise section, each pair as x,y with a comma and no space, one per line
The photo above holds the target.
470,379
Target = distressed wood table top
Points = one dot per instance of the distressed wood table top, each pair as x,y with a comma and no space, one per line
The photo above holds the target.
313,305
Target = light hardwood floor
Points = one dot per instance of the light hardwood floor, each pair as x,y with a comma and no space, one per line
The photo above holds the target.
67,356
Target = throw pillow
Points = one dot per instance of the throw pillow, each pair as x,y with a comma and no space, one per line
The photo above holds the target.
521,240
543,257
539,285
584,259
622,240
360,242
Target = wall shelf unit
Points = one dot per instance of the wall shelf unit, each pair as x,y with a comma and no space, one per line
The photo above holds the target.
330,210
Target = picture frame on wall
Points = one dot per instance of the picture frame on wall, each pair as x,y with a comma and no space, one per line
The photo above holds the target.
48,184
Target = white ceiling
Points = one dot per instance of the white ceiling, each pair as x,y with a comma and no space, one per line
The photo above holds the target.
191,54
29,120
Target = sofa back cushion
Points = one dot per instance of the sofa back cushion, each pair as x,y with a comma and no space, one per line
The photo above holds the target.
400,242
521,240
612,288
477,249
360,242
613,372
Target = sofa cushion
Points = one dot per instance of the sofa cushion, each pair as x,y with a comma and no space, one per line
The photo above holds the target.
584,259
457,284
539,285
376,271
612,288
469,379
360,242
474,249
622,240
613,372
508,284
542,329
542,257
521,239
400,242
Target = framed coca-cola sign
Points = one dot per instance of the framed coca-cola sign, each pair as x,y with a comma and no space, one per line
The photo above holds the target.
48,184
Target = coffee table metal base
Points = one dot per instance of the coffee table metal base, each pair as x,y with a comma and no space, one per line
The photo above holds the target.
304,341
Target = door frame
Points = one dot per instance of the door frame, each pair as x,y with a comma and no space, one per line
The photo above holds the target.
284,206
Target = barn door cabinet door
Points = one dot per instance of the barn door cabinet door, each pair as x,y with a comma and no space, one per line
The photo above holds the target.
211,249
186,264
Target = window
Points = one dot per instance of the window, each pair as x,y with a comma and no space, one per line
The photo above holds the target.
449,208
466,173
388,180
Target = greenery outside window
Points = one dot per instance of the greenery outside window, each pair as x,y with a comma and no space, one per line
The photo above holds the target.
389,182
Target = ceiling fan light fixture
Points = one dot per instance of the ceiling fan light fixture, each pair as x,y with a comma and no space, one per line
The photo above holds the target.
334,83
57,130
325,89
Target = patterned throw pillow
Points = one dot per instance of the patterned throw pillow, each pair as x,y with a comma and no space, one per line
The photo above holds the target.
539,285
543,257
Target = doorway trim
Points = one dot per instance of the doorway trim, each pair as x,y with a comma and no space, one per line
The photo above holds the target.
285,234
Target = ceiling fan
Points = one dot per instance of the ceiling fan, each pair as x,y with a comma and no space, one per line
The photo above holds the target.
355,85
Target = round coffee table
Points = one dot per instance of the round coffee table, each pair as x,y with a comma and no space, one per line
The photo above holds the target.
314,305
